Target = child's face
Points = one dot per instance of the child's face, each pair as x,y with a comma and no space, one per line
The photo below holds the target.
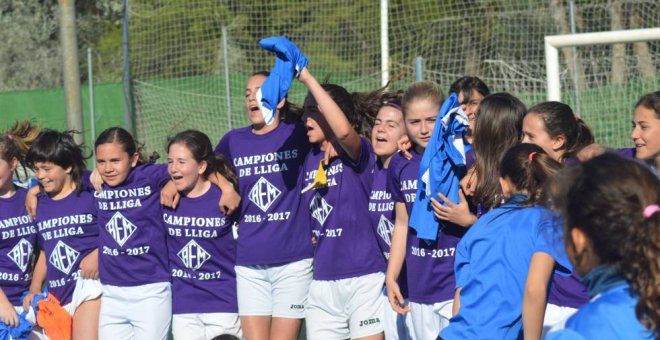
420,120
184,170
646,133
471,107
534,132
251,104
6,172
387,130
52,177
316,125
113,163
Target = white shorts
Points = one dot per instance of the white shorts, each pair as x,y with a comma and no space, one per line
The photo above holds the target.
85,290
347,308
134,313
397,326
279,291
205,326
555,318
429,320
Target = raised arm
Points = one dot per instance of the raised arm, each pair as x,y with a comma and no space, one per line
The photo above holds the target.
343,132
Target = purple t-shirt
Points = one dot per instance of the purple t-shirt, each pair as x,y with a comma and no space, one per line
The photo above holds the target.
67,233
273,221
346,243
430,264
202,252
382,213
132,248
19,237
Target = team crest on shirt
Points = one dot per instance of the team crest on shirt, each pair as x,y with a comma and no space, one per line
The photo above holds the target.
63,257
263,194
385,228
320,208
120,228
20,254
193,255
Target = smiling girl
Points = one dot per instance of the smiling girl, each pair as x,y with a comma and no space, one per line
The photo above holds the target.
201,253
68,231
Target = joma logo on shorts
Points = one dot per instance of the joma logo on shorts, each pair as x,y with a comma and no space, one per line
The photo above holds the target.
297,307
369,322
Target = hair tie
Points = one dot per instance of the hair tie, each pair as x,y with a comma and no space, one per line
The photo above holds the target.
393,104
531,156
577,119
650,210
10,137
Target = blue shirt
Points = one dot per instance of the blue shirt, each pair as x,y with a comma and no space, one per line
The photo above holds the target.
492,261
609,315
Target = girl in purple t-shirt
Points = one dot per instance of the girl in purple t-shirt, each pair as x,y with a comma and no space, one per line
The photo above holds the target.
68,232
18,234
388,130
429,264
274,248
345,295
202,250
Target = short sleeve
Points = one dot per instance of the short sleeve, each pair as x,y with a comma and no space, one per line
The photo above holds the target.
363,162
156,172
223,146
393,179
462,263
549,240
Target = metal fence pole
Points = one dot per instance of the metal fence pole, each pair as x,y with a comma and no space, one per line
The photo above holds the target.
71,71
225,54
92,119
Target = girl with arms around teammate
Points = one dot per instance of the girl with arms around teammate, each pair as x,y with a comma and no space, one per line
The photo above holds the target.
611,216
493,257
133,264
19,236
68,231
201,246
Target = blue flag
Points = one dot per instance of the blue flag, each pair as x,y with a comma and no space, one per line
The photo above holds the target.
442,166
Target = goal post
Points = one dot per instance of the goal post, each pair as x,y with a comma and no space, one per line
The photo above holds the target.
554,42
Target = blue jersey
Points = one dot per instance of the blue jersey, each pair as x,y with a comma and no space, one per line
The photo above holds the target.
492,261
609,315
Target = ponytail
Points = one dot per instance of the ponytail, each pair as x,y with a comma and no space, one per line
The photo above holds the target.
16,142
559,120
605,198
530,169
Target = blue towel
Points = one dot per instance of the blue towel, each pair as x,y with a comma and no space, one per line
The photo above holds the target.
441,168
289,61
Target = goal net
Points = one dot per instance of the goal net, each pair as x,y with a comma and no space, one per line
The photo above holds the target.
187,74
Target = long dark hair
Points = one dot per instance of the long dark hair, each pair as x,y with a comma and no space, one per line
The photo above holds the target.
61,149
559,120
605,198
200,147
498,127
